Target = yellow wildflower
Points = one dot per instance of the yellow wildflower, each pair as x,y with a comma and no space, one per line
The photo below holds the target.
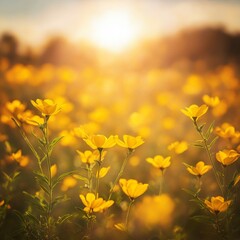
68,182
211,101
217,204
132,188
226,130
178,147
15,106
159,162
2,203
47,106
89,157
18,157
53,170
194,111
130,142
100,141
35,120
103,172
200,169
236,180
227,157
94,205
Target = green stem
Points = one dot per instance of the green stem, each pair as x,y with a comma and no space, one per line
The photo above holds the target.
120,172
128,213
161,182
50,185
98,171
209,155
29,144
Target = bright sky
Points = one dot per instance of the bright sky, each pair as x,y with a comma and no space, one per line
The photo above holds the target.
34,20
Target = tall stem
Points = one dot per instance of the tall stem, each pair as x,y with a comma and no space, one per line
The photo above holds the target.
128,213
29,144
120,172
209,155
98,171
161,182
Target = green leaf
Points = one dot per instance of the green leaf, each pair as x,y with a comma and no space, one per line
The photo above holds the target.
198,145
209,130
212,142
189,192
203,219
61,177
60,199
35,201
79,177
63,218
8,178
55,141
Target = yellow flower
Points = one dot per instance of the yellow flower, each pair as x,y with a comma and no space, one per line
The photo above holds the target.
132,188
211,101
103,172
2,203
100,141
227,157
178,147
47,106
217,204
35,120
236,180
68,182
225,131
53,170
159,162
15,106
18,157
200,169
130,142
89,157
94,205
194,111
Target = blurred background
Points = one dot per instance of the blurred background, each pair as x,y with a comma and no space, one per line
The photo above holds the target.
122,67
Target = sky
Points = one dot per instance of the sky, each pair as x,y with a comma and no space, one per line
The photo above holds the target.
34,20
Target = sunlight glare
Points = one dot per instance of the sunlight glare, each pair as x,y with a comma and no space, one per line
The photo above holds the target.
114,30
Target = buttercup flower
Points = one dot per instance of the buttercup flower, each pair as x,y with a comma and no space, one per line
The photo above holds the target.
227,157
200,169
211,101
100,141
225,131
159,162
130,142
217,204
194,111
47,106
94,205
132,188
35,120
178,147
89,157
18,157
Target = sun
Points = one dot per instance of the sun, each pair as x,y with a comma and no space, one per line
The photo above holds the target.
113,30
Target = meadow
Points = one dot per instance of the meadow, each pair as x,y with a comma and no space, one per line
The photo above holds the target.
119,151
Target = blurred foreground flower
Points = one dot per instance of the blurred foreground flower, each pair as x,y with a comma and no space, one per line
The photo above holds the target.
226,130
211,101
199,170
227,157
194,111
217,204
178,147
93,204
154,211
47,106
132,188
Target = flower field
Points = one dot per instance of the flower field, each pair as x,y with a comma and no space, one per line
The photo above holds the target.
108,152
